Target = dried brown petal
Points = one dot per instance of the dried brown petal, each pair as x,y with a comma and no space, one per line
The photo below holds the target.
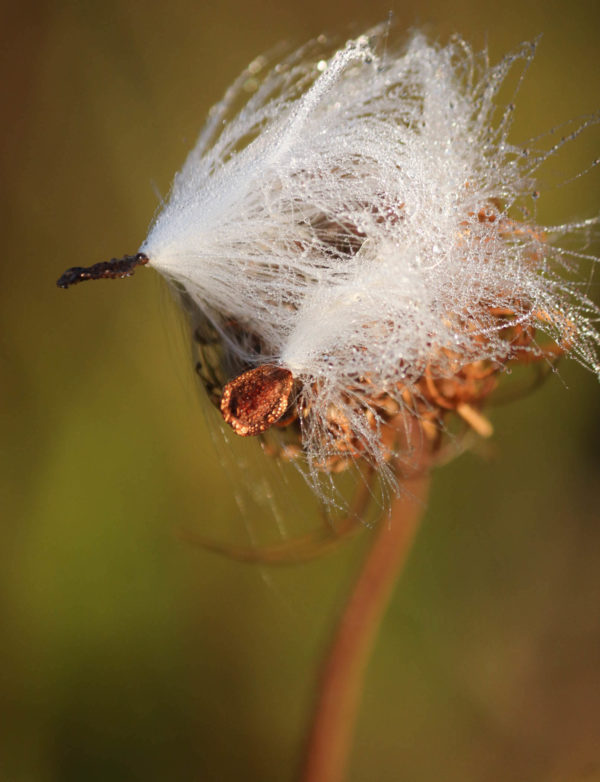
255,400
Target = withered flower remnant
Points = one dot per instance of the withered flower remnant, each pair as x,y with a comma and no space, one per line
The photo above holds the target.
350,237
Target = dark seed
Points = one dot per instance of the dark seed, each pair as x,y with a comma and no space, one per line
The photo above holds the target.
117,267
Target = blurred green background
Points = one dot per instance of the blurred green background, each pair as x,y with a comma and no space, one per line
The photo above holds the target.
127,654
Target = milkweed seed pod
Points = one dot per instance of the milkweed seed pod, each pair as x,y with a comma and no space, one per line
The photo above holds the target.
350,239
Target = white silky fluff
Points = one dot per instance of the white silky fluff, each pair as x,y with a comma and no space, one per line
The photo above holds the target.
335,217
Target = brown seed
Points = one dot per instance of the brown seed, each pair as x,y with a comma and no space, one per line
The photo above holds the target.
255,400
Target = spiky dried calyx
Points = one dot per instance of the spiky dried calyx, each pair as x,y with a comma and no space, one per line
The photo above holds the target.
260,398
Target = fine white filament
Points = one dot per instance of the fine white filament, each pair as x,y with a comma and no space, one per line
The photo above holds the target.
332,208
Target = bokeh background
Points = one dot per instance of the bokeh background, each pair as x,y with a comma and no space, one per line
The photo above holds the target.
127,654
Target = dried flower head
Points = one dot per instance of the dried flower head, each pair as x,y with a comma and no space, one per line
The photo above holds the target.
350,240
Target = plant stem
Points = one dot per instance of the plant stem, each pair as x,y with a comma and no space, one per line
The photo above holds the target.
343,673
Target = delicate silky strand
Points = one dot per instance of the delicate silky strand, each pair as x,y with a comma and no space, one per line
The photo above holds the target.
354,229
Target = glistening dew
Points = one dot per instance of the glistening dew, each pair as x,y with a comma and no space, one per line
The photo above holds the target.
351,241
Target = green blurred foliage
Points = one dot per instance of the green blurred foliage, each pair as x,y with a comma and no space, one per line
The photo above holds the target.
127,654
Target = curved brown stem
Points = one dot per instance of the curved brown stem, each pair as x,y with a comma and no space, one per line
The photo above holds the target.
291,552
302,549
342,676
